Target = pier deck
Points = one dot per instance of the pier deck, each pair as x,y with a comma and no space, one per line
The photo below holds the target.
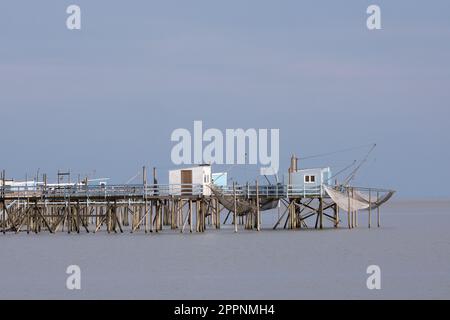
153,208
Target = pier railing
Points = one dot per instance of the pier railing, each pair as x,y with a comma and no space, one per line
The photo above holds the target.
139,190
272,191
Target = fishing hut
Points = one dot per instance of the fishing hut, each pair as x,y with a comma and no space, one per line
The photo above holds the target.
181,181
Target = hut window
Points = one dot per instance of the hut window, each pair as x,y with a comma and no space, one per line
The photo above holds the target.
310,179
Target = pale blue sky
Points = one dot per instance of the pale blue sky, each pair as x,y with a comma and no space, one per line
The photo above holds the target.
107,97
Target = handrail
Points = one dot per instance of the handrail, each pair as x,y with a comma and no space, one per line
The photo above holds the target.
271,191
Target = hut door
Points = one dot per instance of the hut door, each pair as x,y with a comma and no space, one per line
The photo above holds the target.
186,181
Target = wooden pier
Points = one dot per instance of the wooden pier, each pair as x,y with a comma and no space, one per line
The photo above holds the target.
156,208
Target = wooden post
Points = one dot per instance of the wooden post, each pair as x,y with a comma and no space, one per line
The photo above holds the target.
378,209
293,215
218,209
353,218
258,217
3,202
201,221
28,215
160,219
370,209
299,216
172,212
336,210
349,209
180,214
152,205
353,211
203,214
144,183
155,181
321,213
156,218
197,216
190,215
336,215
235,207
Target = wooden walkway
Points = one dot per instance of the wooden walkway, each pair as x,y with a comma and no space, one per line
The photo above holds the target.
155,208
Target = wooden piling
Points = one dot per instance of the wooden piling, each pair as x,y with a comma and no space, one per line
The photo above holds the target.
336,215
321,213
349,211
378,210
258,217
76,208
235,207
144,182
3,202
370,210
190,216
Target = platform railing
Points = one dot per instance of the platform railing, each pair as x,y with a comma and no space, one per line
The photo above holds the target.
134,190
272,191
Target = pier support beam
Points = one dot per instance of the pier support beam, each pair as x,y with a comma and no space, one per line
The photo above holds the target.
258,217
378,210
321,213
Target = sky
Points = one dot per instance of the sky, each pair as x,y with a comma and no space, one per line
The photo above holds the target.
103,101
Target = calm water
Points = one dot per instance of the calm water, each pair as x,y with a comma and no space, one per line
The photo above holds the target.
412,248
